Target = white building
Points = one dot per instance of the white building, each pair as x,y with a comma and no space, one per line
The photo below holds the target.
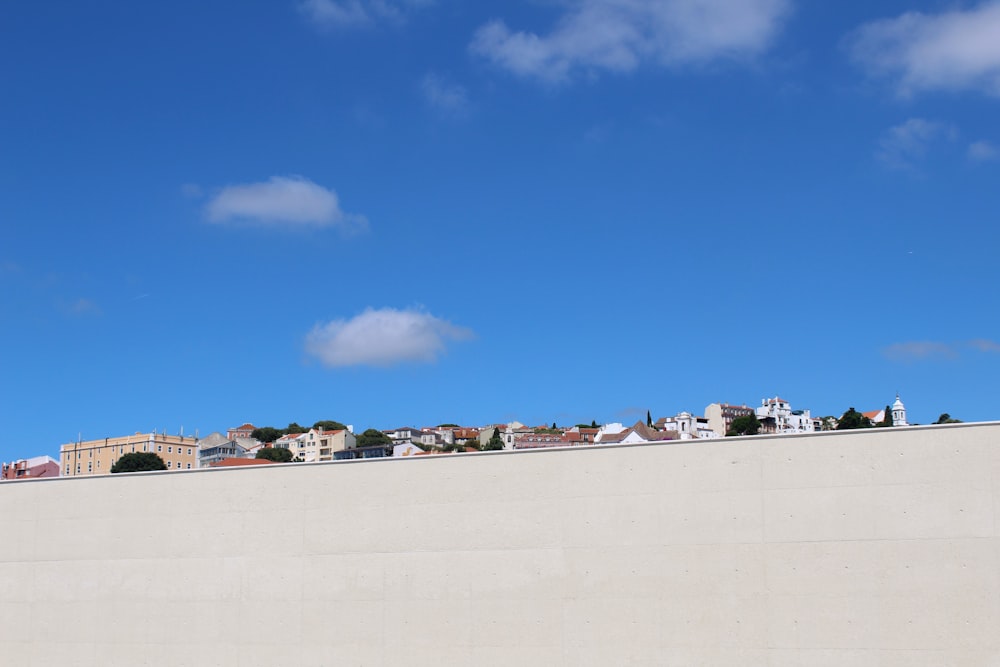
688,426
776,416
899,413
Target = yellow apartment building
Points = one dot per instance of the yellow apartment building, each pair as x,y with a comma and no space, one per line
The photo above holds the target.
95,457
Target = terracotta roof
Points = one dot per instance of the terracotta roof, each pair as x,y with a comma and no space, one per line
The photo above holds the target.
872,414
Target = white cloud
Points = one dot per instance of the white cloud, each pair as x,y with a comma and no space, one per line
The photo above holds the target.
383,337
352,13
983,151
81,308
927,350
985,345
619,35
955,50
443,96
282,200
904,146
920,351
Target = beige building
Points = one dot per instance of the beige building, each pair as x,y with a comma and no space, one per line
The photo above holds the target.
316,444
95,457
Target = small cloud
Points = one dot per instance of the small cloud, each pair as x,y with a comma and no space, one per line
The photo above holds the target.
81,308
384,337
282,200
929,350
9,266
984,345
191,191
954,50
630,411
904,146
443,96
620,35
983,151
356,13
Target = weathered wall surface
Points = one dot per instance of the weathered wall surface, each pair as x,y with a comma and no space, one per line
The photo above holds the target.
863,548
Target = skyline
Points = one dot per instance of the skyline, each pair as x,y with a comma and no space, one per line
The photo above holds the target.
420,212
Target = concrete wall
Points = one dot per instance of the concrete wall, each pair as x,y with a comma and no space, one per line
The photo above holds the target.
863,548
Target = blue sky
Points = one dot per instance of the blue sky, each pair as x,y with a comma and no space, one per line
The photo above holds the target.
393,212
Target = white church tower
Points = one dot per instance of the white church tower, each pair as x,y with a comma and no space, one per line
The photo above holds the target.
899,413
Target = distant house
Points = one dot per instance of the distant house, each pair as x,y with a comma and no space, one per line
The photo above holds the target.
539,440
317,444
580,436
687,425
617,434
216,447
403,435
720,416
875,416
776,416
33,468
241,432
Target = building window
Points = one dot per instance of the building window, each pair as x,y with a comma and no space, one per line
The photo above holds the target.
170,450
159,448
189,466
189,451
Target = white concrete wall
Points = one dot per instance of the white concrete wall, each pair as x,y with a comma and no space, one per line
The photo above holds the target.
862,548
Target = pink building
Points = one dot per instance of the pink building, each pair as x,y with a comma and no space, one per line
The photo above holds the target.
33,468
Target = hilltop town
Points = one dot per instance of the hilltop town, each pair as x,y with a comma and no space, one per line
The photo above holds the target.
329,440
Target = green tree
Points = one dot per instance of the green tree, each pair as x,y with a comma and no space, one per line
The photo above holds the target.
277,454
449,426
138,462
745,425
329,425
373,438
945,418
886,417
296,428
649,419
266,434
593,423
853,419
495,442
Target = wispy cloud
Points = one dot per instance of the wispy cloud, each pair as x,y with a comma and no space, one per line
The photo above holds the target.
983,151
282,200
904,146
630,411
383,337
81,308
354,13
954,50
619,35
930,350
444,96
984,345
